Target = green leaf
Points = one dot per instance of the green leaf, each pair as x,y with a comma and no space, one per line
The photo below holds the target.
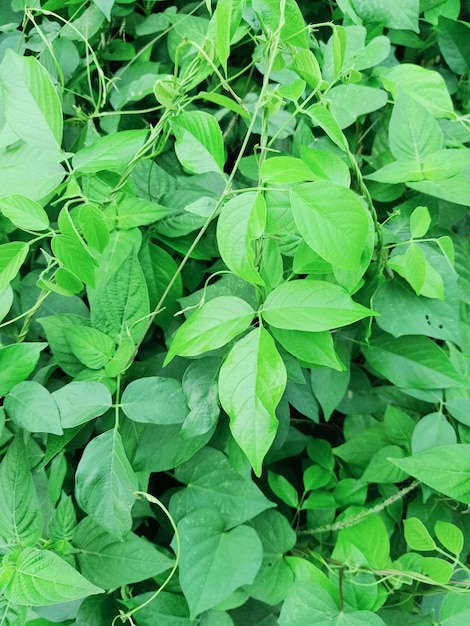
306,66
12,256
209,552
111,562
131,212
227,15
155,400
439,570
348,102
105,6
425,86
224,101
413,132
169,609
213,483
366,543
275,577
450,536
452,37
55,330
41,577
94,227
403,15
120,303
40,167
432,467
32,407
74,256
252,380
291,21
285,169
312,306
81,401
307,603
283,489
32,106
199,144
420,221
109,152
453,189
332,220
329,386
327,166
241,222
417,536
20,513
212,326
17,361
322,117
92,347
105,483
432,430
411,362
24,213
403,313
12,614
202,396
311,348
455,609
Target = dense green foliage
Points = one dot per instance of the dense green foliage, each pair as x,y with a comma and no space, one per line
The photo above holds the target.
234,312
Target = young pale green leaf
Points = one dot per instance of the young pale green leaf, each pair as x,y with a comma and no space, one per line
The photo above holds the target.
17,361
94,227
450,536
227,16
285,169
364,542
420,221
306,66
32,407
403,15
6,300
332,220
12,256
312,306
308,603
224,101
110,562
24,213
283,489
92,347
32,107
132,212
312,348
105,483
426,86
155,400
446,469
291,21
454,189
412,362
213,483
209,552
109,152
212,326
252,380
74,256
199,143
241,222
455,608
322,117
418,272
105,6
81,401
41,577
439,570
326,166
413,132
275,577
417,535
20,513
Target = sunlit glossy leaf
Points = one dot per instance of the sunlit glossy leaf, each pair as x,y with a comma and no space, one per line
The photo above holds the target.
252,380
